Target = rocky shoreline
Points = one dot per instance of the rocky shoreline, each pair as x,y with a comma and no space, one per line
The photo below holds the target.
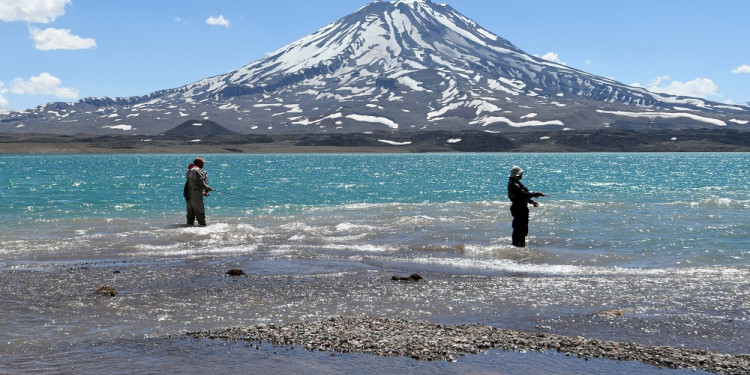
422,340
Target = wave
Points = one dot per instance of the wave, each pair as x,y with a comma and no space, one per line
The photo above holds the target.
577,232
512,267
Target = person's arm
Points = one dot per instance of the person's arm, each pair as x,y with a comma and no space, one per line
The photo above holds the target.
202,180
522,191
518,192
537,194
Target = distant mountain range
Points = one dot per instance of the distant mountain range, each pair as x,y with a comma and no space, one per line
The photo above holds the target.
401,66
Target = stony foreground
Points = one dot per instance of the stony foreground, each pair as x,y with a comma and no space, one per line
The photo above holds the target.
429,341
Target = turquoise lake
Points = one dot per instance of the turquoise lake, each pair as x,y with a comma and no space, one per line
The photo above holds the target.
662,237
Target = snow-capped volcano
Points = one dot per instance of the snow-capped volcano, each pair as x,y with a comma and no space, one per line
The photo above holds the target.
405,65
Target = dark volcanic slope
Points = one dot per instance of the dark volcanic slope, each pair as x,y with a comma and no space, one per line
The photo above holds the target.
197,127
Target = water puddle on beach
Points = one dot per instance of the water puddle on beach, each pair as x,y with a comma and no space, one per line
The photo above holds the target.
202,356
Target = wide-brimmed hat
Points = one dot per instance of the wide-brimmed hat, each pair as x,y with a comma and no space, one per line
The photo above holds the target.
516,171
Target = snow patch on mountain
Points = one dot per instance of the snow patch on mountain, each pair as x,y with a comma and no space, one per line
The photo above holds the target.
120,127
411,83
667,115
489,120
395,143
375,119
730,107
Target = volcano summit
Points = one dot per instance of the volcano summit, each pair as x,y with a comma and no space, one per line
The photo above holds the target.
401,66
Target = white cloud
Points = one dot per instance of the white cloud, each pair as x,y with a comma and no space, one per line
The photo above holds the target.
218,21
744,68
588,61
4,105
699,87
658,80
37,11
51,38
43,84
551,56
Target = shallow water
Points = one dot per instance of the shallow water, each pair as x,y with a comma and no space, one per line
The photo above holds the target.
158,356
661,237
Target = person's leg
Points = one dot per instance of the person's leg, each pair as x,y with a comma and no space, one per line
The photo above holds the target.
520,224
523,227
515,224
200,212
190,213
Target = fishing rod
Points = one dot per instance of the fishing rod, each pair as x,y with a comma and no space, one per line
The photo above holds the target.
639,220
236,195
616,213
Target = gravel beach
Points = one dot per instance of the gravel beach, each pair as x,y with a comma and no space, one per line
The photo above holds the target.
422,340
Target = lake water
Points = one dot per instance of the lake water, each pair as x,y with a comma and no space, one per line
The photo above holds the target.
662,237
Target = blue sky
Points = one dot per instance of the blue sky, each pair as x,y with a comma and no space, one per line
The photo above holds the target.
65,50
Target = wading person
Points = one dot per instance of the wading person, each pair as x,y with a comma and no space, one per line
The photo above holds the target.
520,197
196,187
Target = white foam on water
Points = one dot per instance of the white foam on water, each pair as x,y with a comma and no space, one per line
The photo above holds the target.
350,227
367,248
509,266
297,237
713,201
182,251
514,267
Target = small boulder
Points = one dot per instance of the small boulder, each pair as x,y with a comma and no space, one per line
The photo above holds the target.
236,272
106,291
610,313
412,277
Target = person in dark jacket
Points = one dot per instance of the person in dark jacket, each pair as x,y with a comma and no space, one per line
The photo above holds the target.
520,197
196,187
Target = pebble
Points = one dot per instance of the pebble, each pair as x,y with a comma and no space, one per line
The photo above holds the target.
106,291
412,277
423,340
236,272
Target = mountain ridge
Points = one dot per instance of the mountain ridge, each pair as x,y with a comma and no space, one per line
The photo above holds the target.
407,65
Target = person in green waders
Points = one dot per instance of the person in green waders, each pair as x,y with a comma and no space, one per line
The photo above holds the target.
196,187
520,197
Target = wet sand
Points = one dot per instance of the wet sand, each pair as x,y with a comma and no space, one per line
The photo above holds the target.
286,318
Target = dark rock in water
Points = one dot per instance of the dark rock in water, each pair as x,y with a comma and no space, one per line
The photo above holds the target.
412,277
610,313
106,291
236,272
